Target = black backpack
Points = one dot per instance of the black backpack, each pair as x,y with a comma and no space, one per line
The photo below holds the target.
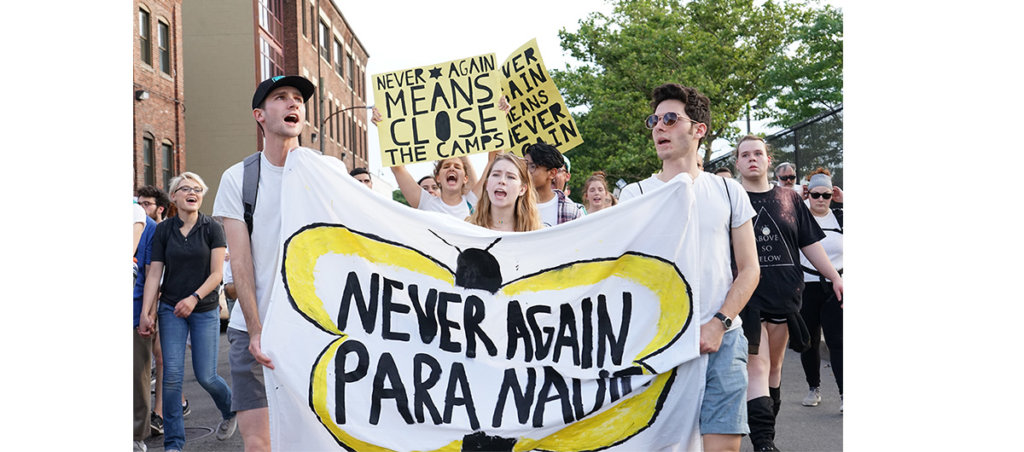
250,187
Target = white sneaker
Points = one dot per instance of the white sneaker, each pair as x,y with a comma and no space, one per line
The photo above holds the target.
139,446
813,397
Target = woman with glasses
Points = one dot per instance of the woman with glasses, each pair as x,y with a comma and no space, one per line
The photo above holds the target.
509,202
821,311
188,252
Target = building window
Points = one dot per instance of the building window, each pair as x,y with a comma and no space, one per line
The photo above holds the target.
339,65
351,71
337,125
304,32
271,60
163,43
330,124
316,116
145,51
168,165
147,161
325,39
269,16
312,17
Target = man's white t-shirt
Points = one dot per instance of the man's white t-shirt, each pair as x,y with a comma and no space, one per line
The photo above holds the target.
549,212
266,230
713,235
461,210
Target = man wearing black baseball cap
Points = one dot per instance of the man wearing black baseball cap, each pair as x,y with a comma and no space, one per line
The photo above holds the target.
279,108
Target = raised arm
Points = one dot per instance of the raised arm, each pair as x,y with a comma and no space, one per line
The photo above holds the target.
475,184
410,189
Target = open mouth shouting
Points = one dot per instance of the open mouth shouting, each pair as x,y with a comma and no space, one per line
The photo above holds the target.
500,194
451,178
292,118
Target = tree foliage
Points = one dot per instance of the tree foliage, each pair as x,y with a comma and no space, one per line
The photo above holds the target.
809,80
720,47
398,196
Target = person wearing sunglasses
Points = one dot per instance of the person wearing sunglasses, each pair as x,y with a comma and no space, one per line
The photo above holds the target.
785,173
784,228
188,252
679,124
821,310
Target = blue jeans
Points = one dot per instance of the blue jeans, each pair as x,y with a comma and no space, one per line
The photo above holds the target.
205,330
724,409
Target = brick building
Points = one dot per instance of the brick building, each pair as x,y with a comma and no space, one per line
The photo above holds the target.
234,44
158,93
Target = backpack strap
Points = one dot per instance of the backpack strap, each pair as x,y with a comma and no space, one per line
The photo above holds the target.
250,187
728,230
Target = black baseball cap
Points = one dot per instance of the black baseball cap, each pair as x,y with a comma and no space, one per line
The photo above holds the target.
298,82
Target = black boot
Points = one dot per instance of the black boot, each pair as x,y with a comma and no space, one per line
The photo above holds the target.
776,394
761,420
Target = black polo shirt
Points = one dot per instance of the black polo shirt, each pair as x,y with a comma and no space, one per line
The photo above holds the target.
187,259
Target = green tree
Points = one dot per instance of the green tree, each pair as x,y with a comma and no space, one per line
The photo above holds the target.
398,196
808,80
720,47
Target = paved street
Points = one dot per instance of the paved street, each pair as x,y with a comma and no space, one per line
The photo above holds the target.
799,428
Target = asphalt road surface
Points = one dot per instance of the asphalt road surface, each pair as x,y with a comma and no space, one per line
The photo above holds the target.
798,428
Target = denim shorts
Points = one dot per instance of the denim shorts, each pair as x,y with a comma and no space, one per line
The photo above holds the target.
724,409
247,389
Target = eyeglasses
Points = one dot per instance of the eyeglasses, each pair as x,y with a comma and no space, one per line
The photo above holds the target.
787,178
669,119
146,204
821,195
187,190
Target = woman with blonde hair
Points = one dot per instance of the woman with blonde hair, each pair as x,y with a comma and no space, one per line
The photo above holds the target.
188,252
509,202
595,193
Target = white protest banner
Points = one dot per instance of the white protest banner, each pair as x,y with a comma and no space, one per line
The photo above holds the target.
397,329
439,111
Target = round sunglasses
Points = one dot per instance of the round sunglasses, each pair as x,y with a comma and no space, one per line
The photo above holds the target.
669,119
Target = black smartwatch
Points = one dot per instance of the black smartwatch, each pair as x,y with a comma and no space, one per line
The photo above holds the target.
726,322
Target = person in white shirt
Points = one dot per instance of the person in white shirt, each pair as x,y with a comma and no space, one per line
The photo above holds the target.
278,106
544,162
678,126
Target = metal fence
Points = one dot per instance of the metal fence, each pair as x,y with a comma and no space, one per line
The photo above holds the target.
815,142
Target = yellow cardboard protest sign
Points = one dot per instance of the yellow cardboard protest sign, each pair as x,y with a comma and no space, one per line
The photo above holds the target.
439,111
538,111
